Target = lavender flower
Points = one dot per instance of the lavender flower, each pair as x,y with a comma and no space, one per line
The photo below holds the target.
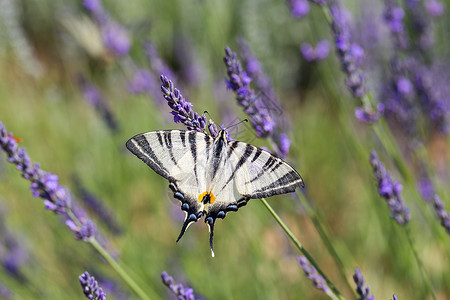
390,190
298,8
116,38
93,96
435,8
369,116
158,65
114,35
313,275
182,293
238,81
98,207
269,100
143,82
5,292
393,15
181,108
45,185
443,215
362,290
12,253
90,287
350,54
394,297
318,53
426,189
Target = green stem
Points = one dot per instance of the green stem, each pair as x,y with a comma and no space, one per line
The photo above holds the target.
131,283
324,236
335,293
419,263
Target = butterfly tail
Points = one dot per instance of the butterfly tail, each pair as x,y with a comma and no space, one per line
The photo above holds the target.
210,222
187,222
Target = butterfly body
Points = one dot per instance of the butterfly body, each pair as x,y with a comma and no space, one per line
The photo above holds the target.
212,176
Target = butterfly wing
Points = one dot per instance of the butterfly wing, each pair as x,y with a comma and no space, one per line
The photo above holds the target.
179,156
260,174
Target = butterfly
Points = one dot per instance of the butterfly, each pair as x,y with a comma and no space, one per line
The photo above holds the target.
212,176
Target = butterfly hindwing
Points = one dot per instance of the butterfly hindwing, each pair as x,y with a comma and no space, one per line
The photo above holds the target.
260,174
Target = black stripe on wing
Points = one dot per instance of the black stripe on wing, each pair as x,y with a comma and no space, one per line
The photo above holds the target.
242,160
139,146
285,184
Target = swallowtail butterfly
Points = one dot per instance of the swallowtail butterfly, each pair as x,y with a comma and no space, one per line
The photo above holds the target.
212,176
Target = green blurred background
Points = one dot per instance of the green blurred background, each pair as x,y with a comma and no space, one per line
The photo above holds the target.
42,104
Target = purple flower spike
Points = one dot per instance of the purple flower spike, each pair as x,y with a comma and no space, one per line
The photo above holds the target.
394,297
182,293
350,54
298,8
238,81
5,293
435,8
45,185
313,275
362,290
143,82
93,96
90,287
116,38
181,108
393,16
318,53
443,215
369,116
390,190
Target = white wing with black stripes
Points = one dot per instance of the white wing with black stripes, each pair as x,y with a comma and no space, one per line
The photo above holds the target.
212,176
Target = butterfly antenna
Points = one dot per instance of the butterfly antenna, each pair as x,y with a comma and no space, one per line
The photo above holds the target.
187,222
210,221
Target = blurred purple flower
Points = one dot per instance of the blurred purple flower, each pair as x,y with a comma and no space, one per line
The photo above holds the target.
157,64
350,54
298,8
97,206
116,38
426,189
12,252
94,6
90,287
181,108
369,116
320,2
435,8
315,54
443,215
362,290
390,190
5,292
313,275
114,35
93,96
45,185
143,82
182,293
269,100
394,297
238,81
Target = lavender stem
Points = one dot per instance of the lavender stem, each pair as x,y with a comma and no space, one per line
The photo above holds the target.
122,273
334,294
